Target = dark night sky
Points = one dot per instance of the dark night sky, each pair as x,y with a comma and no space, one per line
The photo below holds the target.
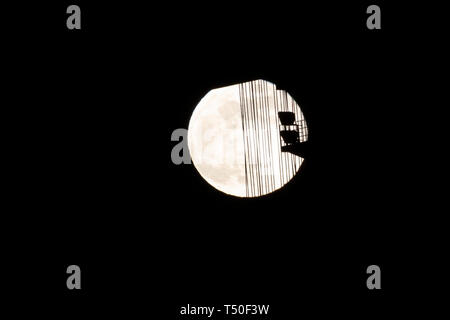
94,165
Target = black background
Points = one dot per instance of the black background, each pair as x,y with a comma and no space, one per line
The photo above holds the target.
94,184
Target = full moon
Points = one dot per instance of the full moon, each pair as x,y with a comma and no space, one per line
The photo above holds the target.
241,138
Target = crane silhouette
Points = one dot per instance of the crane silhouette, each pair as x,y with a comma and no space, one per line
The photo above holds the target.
293,134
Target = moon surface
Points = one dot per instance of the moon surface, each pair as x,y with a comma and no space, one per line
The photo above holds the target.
234,139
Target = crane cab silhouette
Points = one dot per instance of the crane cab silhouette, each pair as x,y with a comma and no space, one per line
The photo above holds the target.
293,134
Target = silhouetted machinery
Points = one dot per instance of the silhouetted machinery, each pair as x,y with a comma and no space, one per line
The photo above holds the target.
294,134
